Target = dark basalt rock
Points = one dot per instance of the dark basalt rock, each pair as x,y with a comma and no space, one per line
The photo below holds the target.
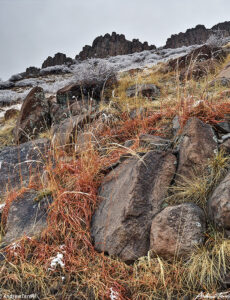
27,216
112,45
18,164
34,116
177,230
197,35
131,195
32,72
58,59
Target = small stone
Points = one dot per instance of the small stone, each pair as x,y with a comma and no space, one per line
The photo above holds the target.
145,90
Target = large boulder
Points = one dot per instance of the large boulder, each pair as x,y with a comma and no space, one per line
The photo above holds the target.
87,90
34,116
219,204
198,144
131,195
177,230
27,216
19,164
150,91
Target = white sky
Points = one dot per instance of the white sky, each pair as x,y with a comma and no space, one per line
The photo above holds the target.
31,30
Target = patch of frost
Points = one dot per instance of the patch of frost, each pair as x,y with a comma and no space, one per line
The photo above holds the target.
113,294
79,71
58,260
2,206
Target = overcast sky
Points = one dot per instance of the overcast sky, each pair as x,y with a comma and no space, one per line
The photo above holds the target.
31,30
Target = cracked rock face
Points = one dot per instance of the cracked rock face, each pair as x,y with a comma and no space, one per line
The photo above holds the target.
177,230
18,164
198,144
27,216
131,195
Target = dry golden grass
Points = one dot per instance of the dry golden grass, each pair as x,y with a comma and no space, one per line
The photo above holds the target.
6,132
198,188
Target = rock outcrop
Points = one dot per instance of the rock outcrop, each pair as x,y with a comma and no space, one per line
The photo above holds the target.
224,26
58,59
27,216
193,36
198,144
177,230
132,194
34,116
197,35
112,45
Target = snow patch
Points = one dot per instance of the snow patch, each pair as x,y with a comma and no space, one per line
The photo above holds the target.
58,260
8,96
113,294
2,206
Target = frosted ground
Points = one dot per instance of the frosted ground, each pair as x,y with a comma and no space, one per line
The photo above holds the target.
88,69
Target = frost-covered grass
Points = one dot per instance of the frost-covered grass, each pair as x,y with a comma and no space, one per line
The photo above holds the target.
7,97
6,132
92,69
55,70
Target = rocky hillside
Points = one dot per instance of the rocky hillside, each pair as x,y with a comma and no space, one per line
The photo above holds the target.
115,177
